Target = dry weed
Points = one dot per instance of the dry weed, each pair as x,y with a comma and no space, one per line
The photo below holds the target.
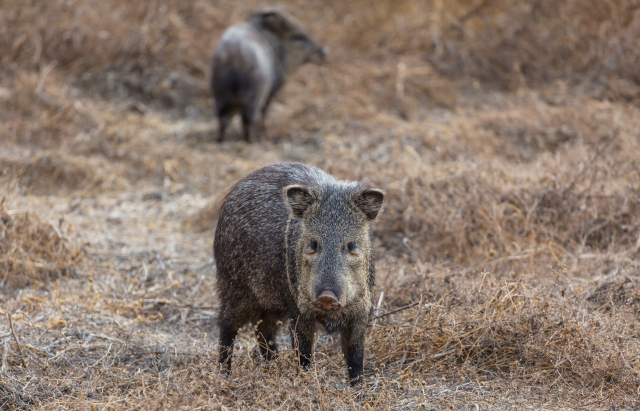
33,250
505,134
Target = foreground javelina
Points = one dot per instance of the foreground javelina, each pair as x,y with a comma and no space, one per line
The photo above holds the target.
293,242
250,64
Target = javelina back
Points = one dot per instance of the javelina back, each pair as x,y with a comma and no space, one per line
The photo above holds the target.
250,64
293,242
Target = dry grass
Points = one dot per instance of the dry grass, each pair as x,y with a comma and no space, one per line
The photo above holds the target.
33,250
504,42
505,134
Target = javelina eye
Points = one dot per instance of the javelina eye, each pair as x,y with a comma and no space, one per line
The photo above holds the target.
313,246
351,246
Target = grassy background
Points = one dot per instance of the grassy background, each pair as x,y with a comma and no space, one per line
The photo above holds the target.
505,134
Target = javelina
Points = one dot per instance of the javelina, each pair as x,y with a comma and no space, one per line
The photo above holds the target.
293,242
250,64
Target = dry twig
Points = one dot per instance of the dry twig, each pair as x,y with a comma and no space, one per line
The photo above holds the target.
15,338
413,329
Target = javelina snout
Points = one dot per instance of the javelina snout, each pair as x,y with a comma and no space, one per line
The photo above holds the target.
328,301
251,62
293,242
327,268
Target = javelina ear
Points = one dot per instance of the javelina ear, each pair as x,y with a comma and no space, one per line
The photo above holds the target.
297,199
370,201
272,18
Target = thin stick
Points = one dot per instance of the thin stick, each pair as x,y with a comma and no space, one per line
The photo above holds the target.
195,289
15,338
318,386
402,309
615,390
442,354
593,161
375,318
397,309
43,76
413,330
4,356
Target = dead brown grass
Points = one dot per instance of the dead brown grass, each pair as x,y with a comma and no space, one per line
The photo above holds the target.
529,333
505,134
32,250
504,42
473,344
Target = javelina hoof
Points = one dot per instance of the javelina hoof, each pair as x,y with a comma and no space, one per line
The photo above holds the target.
355,382
225,371
328,301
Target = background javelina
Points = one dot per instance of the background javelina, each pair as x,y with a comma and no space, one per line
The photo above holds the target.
292,241
250,63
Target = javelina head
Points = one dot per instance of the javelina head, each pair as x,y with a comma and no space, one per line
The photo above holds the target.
334,252
293,45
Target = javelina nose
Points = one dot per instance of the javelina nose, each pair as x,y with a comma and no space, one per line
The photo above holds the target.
327,301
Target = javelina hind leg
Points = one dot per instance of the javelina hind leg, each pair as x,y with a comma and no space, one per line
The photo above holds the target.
249,130
224,117
303,338
266,335
262,123
352,343
250,116
227,337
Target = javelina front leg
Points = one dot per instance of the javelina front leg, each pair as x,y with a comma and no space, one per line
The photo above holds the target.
352,343
227,337
266,335
303,336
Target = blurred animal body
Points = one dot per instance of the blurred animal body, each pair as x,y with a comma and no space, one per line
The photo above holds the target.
251,61
293,242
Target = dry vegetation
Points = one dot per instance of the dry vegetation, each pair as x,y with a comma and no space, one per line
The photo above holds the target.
505,133
32,250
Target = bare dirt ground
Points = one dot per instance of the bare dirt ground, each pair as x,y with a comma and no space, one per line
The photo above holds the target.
505,134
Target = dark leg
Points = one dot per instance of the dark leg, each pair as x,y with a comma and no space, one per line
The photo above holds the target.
266,335
352,343
250,118
263,118
249,128
303,337
261,127
225,114
227,336
224,122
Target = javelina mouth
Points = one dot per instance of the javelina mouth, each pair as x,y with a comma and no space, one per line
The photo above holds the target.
327,301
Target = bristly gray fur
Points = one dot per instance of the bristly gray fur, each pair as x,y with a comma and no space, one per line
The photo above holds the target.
250,63
268,270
